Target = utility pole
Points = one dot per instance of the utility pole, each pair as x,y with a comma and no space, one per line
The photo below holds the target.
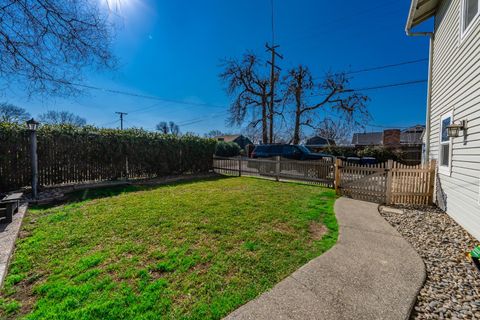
275,54
121,118
273,79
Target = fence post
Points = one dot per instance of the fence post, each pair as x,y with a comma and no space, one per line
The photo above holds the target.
388,195
277,168
240,166
338,165
127,171
431,187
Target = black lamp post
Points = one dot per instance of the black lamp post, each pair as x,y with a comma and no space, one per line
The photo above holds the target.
32,125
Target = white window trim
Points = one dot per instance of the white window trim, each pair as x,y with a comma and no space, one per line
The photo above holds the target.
465,33
479,191
445,170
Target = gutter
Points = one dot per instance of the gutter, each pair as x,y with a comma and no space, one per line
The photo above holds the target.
431,35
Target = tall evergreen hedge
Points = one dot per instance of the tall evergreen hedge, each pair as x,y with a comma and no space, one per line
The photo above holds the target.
68,154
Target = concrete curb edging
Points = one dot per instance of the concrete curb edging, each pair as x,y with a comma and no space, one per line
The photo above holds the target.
420,286
372,272
8,236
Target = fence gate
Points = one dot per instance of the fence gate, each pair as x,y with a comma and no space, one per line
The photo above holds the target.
389,182
363,182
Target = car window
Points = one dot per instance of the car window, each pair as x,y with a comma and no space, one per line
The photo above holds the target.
274,149
303,149
289,149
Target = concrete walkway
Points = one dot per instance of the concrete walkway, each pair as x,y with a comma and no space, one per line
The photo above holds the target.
371,273
8,235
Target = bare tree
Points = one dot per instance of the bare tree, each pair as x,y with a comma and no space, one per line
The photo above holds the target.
332,95
213,134
168,128
13,114
46,44
174,128
252,133
61,118
250,89
162,127
338,131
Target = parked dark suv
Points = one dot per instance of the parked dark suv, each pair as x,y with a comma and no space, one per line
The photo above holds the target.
294,152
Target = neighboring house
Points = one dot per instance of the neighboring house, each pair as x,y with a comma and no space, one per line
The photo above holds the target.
239,139
318,143
367,139
392,137
408,142
453,97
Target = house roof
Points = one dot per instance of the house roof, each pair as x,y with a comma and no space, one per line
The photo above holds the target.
319,141
228,137
367,139
412,135
420,10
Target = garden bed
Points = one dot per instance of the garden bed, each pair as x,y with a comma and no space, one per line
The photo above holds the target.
191,250
451,289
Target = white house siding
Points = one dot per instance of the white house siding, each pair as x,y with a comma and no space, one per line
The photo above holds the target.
456,87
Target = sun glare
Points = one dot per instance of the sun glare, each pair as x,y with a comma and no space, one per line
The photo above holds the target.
119,6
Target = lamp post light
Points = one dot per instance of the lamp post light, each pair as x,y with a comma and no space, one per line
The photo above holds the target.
32,125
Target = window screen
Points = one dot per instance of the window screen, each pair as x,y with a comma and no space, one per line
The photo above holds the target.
445,154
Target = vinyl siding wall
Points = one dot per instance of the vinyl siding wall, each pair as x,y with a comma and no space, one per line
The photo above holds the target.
456,88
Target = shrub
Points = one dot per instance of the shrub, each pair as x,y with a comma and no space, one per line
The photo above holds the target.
382,154
227,149
340,151
69,154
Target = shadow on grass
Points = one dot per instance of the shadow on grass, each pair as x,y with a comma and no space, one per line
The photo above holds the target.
106,192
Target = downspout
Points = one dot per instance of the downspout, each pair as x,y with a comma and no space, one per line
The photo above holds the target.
429,89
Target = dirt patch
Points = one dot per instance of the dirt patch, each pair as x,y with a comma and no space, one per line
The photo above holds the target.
201,268
317,230
284,228
23,293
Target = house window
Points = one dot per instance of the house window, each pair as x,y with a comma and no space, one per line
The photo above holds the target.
469,14
445,145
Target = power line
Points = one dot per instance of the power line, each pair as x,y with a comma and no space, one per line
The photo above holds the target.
109,123
406,83
382,67
391,85
341,21
133,94
273,22
387,66
201,119
213,116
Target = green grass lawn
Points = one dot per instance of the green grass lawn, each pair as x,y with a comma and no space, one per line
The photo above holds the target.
191,250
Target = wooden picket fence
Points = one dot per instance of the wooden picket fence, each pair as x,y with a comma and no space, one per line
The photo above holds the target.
362,182
389,182
321,172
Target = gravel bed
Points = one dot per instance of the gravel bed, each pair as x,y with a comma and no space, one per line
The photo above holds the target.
452,287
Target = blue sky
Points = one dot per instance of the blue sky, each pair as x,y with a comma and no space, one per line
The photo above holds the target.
172,50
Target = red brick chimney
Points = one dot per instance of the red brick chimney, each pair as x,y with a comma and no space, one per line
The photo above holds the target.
391,137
